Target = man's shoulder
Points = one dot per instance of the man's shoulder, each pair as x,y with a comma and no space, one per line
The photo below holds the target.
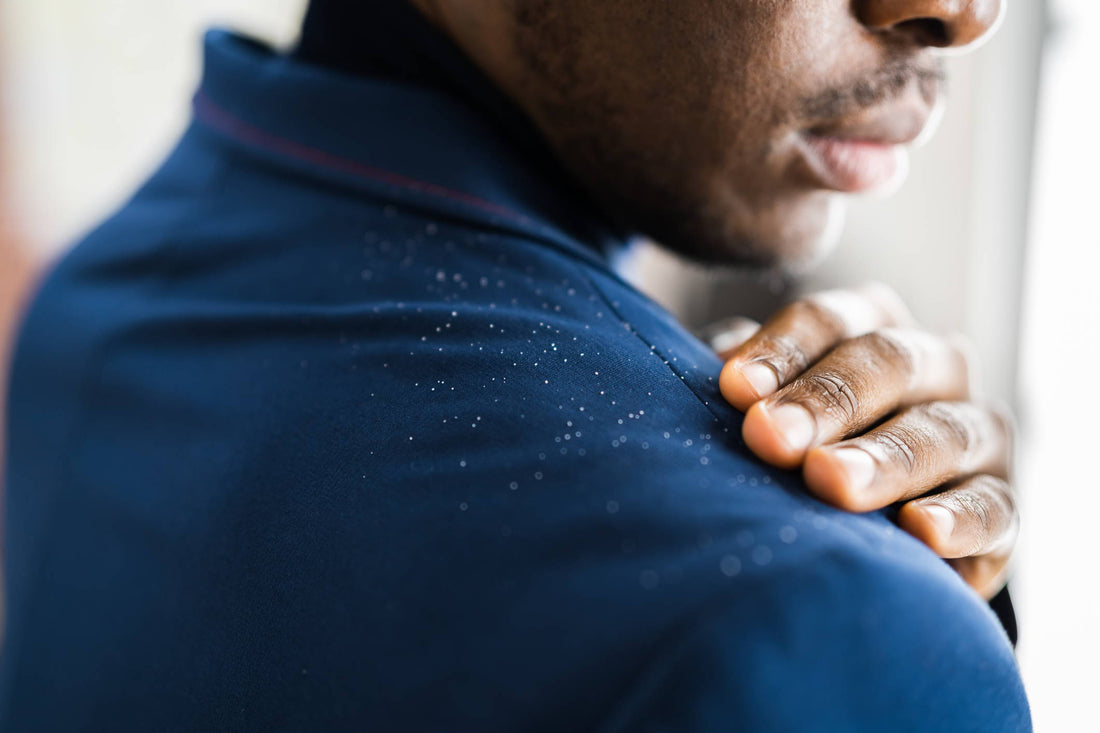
448,433
841,642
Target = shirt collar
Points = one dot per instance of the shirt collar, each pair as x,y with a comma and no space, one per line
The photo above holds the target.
390,39
415,144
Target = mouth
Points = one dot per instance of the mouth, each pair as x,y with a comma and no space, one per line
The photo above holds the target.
867,151
853,166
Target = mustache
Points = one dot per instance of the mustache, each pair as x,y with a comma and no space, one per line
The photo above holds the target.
881,86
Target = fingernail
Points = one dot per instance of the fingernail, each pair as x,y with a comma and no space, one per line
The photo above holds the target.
795,425
943,519
761,378
858,466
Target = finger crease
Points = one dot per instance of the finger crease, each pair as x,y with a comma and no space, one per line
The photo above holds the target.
839,395
899,449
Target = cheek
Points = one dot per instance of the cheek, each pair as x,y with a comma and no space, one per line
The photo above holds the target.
730,89
725,68
680,116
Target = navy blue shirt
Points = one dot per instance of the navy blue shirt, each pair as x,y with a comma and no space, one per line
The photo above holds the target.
344,422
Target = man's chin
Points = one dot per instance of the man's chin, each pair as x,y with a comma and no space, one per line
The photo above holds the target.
785,242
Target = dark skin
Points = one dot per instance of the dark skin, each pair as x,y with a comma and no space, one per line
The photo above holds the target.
875,412
729,131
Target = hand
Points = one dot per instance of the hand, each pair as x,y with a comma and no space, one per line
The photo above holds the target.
875,412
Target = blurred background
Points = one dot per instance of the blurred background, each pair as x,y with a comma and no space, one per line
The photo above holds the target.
991,236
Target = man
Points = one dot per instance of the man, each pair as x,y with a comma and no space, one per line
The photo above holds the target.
344,422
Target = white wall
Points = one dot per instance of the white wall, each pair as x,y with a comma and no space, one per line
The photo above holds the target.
1060,597
96,91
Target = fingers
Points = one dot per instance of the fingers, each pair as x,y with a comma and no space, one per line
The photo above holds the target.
852,388
912,454
975,517
802,333
725,337
831,367
974,523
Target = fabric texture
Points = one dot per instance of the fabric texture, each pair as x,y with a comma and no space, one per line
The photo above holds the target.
344,422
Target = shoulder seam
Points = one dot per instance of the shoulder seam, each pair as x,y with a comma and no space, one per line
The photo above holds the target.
653,348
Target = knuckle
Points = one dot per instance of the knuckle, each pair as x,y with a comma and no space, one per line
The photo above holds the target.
997,492
956,423
783,354
976,504
901,446
890,348
833,394
991,508
982,515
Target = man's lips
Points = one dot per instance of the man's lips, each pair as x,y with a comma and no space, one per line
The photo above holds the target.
865,152
852,166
